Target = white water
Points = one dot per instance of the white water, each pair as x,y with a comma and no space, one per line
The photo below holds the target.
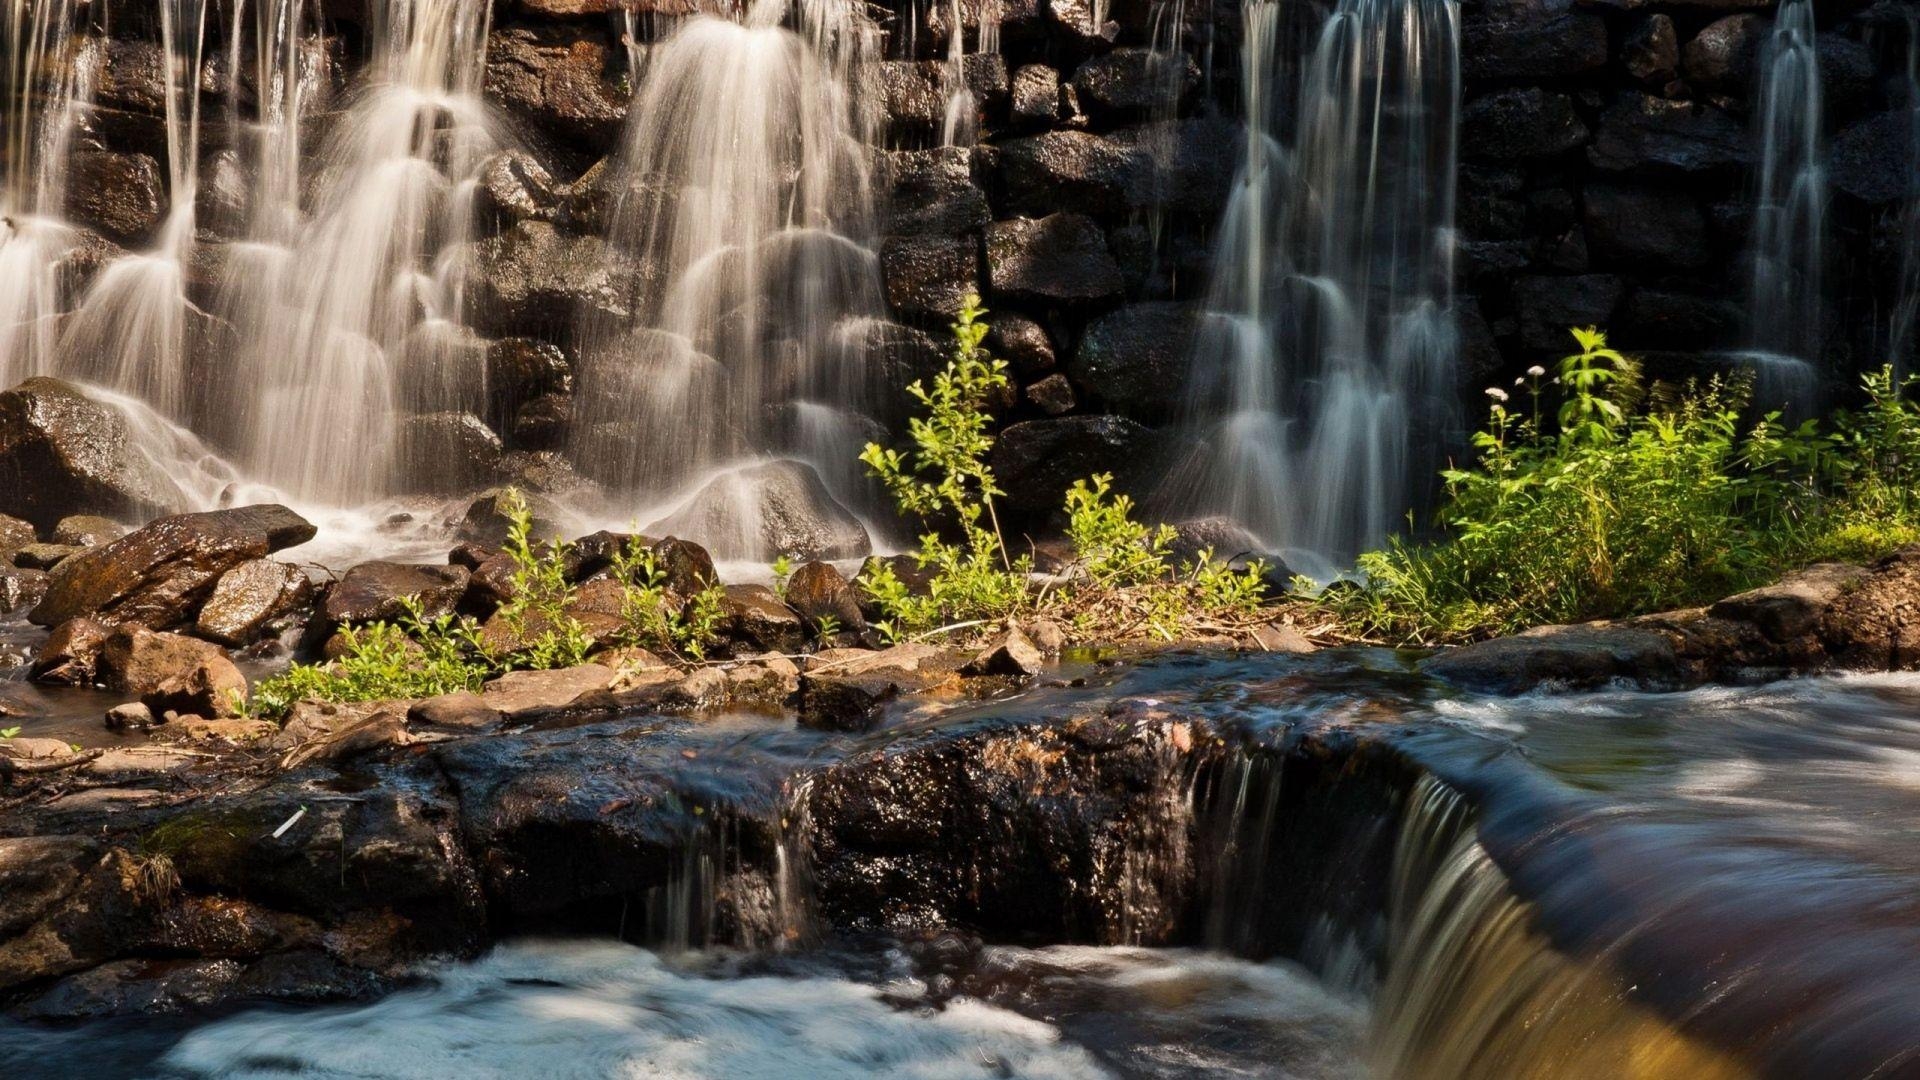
1785,310
1323,379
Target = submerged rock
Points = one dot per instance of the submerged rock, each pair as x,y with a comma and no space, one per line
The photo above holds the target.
765,511
63,453
1567,657
159,575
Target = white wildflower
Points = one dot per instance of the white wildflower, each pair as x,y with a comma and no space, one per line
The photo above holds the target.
1536,371
1496,393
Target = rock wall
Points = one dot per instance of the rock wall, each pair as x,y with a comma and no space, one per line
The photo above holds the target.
1606,147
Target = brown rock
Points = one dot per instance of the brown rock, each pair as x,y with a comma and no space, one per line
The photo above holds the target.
71,654
158,576
250,596
1875,626
519,693
87,530
818,591
21,588
767,680
1011,654
1281,638
15,534
221,731
374,591
462,711
759,620
172,672
44,556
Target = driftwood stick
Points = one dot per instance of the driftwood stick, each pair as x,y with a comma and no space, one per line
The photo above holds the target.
15,767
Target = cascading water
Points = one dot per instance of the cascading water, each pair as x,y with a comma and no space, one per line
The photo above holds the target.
961,125
1903,324
44,87
1324,371
350,315
742,195
1789,217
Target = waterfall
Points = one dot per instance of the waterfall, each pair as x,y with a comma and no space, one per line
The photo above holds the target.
45,85
742,193
1903,336
1323,377
961,126
1789,215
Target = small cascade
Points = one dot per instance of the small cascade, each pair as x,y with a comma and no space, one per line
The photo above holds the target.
1785,309
1323,378
742,194
1473,989
961,126
46,82
338,299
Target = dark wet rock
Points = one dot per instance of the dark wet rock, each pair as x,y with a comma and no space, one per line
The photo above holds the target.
460,711
16,534
561,81
1133,82
71,654
1651,51
523,370
144,987
447,453
535,278
1548,306
932,193
1519,123
375,591
1074,170
765,511
1037,461
159,575
768,682
545,423
1190,165
122,195
1670,319
1036,95
514,187
930,276
62,453
212,926
1872,158
1021,342
1639,132
130,716
1220,537
86,530
760,621
1052,395
1077,21
173,673
818,591
21,588
1581,657
1847,72
1533,46
44,556
1638,226
1873,622
1136,358
998,830
852,698
1722,57
487,518
685,567
248,598
1062,258
1281,638
68,905
911,92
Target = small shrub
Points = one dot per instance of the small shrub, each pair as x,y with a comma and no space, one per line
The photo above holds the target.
411,658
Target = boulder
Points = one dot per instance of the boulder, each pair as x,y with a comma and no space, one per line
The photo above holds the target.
1872,159
1021,342
87,530
930,276
44,556
533,277
685,567
514,187
124,195
932,193
1062,258
764,511
1079,22
1052,395
1036,96
1134,82
373,592
21,588
1190,166
247,599
911,92
1010,654
1520,123
560,81
1544,45
71,654
65,905
1074,170
1582,657
1722,57
769,681
62,453
817,591
1651,51
16,534
523,370
1037,461
1640,227
447,453
1641,132
159,575
519,694
173,673
1136,358
487,520
1873,621
761,622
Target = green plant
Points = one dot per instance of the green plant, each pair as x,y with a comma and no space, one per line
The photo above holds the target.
782,573
647,606
945,481
410,658
827,627
542,632
8,733
1114,550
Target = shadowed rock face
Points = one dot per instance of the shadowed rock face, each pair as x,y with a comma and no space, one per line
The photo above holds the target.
159,575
